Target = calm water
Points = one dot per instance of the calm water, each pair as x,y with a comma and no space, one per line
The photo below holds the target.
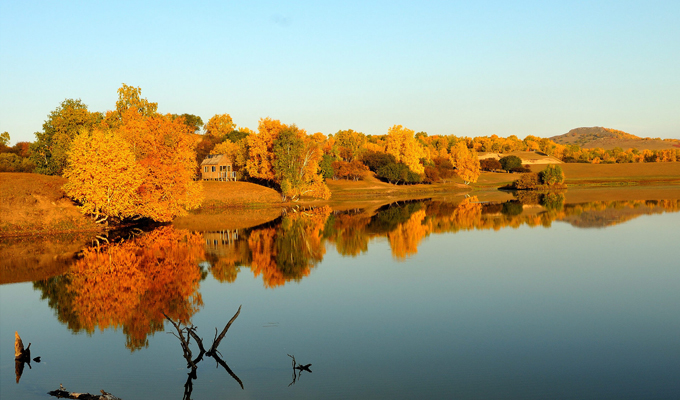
524,299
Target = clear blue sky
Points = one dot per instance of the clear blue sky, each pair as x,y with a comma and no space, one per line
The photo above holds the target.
465,68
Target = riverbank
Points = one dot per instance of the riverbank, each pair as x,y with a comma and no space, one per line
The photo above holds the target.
35,204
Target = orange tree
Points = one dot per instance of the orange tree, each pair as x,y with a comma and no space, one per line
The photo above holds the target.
164,157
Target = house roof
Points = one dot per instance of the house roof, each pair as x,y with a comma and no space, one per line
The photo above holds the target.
215,159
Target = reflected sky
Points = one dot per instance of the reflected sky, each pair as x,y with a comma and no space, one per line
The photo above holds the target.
524,312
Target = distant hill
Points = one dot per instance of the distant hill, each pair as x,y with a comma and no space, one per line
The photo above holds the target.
607,139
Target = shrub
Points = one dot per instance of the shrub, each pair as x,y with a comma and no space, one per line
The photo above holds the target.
431,175
521,169
349,170
552,175
398,173
490,164
527,181
375,160
510,162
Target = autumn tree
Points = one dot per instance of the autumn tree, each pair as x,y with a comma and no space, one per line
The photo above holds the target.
466,163
350,144
403,146
296,165
4,138
510,162
103,175
552,175
219,126
163,151
49,151
193,121
260,163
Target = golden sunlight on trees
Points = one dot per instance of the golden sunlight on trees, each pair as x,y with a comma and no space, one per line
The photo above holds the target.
296,165
466,163
219,126
401,144
103,175
131,284
158,184
49,151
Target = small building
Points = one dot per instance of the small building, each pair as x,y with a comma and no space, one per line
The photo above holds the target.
218,167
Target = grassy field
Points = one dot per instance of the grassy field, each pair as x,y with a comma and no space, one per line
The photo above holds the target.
35,204
619,174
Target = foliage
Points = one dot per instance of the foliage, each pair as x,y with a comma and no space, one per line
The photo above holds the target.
11,162
326,166
156,162
296,165
398,173
129,98
219,126
134,283
510,162
552,175
466,163
4,138
48,152
527,181
354,170
164,149
375,160
103,175
193,121
350,144
490,164
403,146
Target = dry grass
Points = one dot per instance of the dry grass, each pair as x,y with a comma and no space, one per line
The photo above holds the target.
620,174
245,194
35,204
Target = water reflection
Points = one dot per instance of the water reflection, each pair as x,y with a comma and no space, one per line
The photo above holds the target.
133,283
130,285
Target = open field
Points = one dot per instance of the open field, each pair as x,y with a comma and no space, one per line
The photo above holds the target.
35,204
619,174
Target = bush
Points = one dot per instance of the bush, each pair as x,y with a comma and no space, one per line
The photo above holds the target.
552,175
490,164
527,181
375,160
349,170
510,162
398,173
431,175
520,169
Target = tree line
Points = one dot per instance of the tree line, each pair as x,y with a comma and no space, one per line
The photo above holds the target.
133,162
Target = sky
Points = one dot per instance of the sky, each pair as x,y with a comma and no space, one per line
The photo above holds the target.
464,68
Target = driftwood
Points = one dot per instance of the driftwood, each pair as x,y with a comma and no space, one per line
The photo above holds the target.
64,394
299,368
22,356
189,332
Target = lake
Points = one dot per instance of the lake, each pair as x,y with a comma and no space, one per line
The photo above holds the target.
534,297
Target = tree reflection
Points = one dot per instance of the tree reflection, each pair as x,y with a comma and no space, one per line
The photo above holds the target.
131,285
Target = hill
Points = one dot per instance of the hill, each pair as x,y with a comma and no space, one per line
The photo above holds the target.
608,139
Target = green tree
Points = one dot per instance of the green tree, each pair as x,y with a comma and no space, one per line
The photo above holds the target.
510,162
552,175
193,121
49,151
296,165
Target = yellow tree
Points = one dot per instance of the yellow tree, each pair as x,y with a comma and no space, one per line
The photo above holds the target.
401,143
350,144
466,163
164,148
220,125
103,175
260,163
